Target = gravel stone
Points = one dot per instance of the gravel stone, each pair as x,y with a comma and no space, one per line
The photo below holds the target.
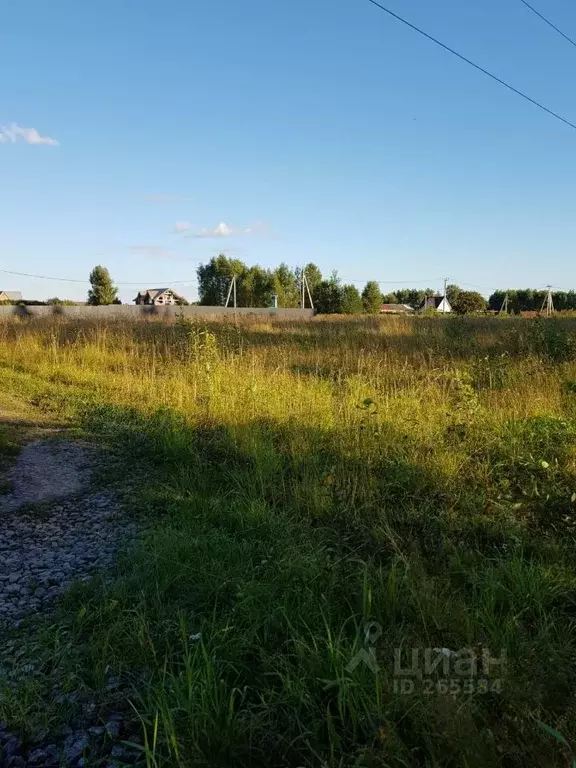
16,762
113,729
11,747
44,554
43,550
75,745
46,469
37,757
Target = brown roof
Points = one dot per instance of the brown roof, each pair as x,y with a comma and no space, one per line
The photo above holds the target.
396,308
154,292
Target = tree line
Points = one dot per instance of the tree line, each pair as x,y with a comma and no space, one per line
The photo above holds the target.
464,302
519,300
529,300
255,287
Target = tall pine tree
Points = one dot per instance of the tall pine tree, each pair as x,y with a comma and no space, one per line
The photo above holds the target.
102,290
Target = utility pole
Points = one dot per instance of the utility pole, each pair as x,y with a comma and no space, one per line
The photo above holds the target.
548,302
444,302
305,289
305,282
504,307
232,288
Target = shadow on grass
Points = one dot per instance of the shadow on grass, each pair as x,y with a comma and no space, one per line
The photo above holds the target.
270,548
361,478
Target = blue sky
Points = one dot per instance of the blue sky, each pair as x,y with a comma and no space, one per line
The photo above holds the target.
310,130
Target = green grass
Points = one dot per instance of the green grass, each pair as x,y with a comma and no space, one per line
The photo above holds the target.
9,449
8,444
304,480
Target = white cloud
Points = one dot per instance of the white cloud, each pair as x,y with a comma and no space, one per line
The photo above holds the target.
152,251
220,230
14,132
224,230
182,226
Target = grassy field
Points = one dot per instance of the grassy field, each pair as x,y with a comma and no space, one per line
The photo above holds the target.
323,489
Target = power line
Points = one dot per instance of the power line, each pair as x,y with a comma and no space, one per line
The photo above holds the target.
472,64
43,277
547,21
475,285
424,281
72,280
395,282
189,280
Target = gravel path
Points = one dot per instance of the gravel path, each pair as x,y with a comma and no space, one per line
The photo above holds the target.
45,470
55,528
45,547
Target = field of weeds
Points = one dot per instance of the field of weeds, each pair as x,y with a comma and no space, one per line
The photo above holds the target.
363,549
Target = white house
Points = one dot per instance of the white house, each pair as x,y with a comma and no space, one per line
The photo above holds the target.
438,303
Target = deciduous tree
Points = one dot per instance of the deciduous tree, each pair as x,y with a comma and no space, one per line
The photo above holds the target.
313,276
372,298
286,286
56,302
214,279
351,301
328,296
452,292
467,302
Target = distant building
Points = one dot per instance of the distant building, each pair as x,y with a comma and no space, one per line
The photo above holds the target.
396,309
10,296
438,303
162,297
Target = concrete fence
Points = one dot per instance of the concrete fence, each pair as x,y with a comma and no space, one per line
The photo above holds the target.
131,312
